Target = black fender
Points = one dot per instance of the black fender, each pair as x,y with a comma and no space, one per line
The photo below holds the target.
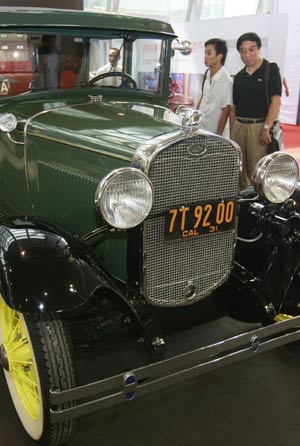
273,255
43,268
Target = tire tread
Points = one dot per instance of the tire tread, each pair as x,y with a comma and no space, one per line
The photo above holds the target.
53,352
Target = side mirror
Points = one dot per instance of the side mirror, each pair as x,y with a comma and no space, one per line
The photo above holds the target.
185,47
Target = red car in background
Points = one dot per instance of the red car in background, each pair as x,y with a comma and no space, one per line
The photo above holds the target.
15,77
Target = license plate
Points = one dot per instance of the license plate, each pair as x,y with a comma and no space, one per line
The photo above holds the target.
199,219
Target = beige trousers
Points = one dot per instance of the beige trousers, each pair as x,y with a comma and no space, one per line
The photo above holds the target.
247,137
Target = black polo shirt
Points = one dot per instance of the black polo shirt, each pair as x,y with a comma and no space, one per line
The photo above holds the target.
249,91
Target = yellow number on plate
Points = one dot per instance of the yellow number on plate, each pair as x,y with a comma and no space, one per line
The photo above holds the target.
229,212
220,213
207,210
198,212
183,211
174,212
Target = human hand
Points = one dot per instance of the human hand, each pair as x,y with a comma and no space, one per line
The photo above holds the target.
265,137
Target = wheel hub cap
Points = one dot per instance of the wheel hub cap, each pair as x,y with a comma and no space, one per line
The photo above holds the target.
4,358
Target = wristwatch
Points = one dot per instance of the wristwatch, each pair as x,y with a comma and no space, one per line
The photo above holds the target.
267,127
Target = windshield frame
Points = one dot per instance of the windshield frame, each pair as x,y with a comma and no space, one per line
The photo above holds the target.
129,37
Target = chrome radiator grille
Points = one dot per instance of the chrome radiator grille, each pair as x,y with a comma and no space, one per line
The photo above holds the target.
203,262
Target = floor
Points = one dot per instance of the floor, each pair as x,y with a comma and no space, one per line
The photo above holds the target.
255,402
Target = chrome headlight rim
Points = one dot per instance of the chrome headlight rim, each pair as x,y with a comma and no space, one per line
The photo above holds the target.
8,122
106,181
260,173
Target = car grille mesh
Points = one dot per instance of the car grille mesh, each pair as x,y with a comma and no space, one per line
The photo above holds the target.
204,262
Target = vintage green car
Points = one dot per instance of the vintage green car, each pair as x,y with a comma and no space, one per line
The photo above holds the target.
130,259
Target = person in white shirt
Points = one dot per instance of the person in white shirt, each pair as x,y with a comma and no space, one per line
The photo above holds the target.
111,66
216,99
47,75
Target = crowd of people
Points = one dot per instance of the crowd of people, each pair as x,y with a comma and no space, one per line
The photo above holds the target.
250,102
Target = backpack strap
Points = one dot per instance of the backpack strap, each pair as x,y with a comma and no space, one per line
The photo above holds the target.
204,79
267,77
203,82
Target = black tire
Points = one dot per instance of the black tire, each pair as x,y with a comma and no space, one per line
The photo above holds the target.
49,366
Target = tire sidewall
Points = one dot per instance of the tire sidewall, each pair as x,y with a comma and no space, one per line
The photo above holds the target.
34,428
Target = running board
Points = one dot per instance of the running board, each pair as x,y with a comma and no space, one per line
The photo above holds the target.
156,376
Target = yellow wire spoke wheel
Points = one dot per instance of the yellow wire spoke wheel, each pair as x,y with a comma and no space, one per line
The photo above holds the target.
35,354
20,360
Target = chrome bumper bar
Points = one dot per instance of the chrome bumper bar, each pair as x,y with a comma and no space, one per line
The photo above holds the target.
155,376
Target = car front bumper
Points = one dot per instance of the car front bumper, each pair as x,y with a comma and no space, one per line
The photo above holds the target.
135,383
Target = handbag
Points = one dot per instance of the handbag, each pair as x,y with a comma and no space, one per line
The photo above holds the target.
276,143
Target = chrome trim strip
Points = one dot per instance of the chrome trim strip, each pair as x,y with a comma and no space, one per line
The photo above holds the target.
147,151
175,370
13,141
77,146
240,155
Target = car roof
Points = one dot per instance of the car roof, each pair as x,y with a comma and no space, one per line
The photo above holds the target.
12,17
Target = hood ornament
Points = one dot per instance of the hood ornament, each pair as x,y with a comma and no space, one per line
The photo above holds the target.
190,118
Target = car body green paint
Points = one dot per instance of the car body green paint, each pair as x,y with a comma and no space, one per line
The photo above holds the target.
72,142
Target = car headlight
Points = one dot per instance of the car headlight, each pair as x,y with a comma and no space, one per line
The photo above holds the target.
8,122
275,177
124,197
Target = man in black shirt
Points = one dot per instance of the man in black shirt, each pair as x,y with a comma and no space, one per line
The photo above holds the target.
256,98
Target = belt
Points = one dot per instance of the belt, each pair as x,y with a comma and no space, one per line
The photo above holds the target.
250,120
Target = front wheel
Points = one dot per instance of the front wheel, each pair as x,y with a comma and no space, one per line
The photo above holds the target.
35,353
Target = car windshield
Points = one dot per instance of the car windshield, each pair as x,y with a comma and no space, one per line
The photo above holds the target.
38,62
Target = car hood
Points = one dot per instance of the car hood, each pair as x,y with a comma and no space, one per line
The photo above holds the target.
117,126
